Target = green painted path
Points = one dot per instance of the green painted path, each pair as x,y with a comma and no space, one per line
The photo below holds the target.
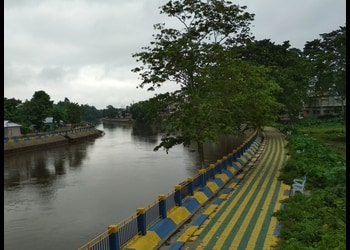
244,220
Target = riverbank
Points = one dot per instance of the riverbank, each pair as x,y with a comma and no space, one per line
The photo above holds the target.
49,140
117,120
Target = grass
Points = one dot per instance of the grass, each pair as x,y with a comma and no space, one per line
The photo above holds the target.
317,220
330,133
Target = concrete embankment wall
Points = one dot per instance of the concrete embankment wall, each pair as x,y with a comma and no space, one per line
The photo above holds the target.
34,143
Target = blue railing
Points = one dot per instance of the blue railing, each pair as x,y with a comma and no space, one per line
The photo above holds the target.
117,236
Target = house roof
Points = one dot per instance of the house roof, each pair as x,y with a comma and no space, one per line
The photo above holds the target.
9,124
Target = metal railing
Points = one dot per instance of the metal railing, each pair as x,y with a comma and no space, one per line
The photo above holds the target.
119,235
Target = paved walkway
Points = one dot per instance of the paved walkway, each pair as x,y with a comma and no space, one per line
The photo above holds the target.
240,215
244,219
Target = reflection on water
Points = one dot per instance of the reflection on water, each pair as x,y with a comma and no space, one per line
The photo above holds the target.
145,133
62,197
42,167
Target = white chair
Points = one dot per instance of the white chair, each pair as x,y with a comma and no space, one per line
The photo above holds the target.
300,181
298,186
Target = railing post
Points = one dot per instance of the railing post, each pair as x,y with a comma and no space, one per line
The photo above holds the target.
141,220
234,156
218,166
202,178
162,205
178,196
246,145
224,163
240,150
211,170
190,186
113,237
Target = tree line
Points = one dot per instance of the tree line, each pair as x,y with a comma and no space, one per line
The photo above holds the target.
227,78
31,114
229,81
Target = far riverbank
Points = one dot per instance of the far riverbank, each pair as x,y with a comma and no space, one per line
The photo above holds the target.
20,144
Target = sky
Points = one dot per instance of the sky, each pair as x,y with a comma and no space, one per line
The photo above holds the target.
82,49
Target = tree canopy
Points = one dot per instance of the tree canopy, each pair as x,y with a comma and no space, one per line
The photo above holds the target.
327,57
216,86
288,68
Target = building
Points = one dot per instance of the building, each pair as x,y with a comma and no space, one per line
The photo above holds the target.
320,106
50,124
12,129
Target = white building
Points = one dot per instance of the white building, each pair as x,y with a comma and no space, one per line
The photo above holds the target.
12,129
324,106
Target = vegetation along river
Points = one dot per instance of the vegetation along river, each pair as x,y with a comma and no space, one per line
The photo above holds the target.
60,198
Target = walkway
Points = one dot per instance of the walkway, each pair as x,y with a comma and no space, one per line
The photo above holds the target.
239,216
244,219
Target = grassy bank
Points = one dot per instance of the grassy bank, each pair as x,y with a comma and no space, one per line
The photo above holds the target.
331,133
317,218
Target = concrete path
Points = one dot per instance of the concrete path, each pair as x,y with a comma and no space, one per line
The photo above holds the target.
244,219
240,214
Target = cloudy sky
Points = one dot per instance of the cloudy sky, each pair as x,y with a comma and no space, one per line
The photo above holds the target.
81,49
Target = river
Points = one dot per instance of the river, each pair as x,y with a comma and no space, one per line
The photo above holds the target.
60,198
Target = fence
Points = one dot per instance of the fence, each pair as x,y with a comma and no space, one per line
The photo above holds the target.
117,236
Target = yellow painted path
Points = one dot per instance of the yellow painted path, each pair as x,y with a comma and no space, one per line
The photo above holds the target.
244,220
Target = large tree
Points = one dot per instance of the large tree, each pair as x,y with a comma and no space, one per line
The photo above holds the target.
38,108
328,64
288,68
183,55
11,109
191,55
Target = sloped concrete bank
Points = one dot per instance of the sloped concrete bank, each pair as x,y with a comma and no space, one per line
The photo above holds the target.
50,140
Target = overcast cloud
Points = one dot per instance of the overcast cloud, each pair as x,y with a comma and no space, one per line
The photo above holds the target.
81,49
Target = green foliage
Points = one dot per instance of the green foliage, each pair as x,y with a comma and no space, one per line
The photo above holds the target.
90,113
11,109
219,92
152,111
332,132
73,113
38,108
316,220
288,68
111,112
328,62
31,114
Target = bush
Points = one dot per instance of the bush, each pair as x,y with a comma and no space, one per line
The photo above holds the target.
316,220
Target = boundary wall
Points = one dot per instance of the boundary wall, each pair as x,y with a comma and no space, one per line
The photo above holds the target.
154,224
25,143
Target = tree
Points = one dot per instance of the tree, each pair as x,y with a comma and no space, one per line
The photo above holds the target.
192,57
111,112
150,111
38,108
11,109
288,68
73,113
90,113
328,64
57,114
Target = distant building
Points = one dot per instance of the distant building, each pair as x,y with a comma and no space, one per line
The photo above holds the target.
325,105
12,129
50,124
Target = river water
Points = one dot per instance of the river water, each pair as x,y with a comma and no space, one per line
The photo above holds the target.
61,198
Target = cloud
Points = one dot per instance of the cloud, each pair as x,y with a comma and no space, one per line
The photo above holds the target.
82,49
295,21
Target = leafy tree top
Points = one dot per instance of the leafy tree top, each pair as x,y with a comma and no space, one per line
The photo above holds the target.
181,54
